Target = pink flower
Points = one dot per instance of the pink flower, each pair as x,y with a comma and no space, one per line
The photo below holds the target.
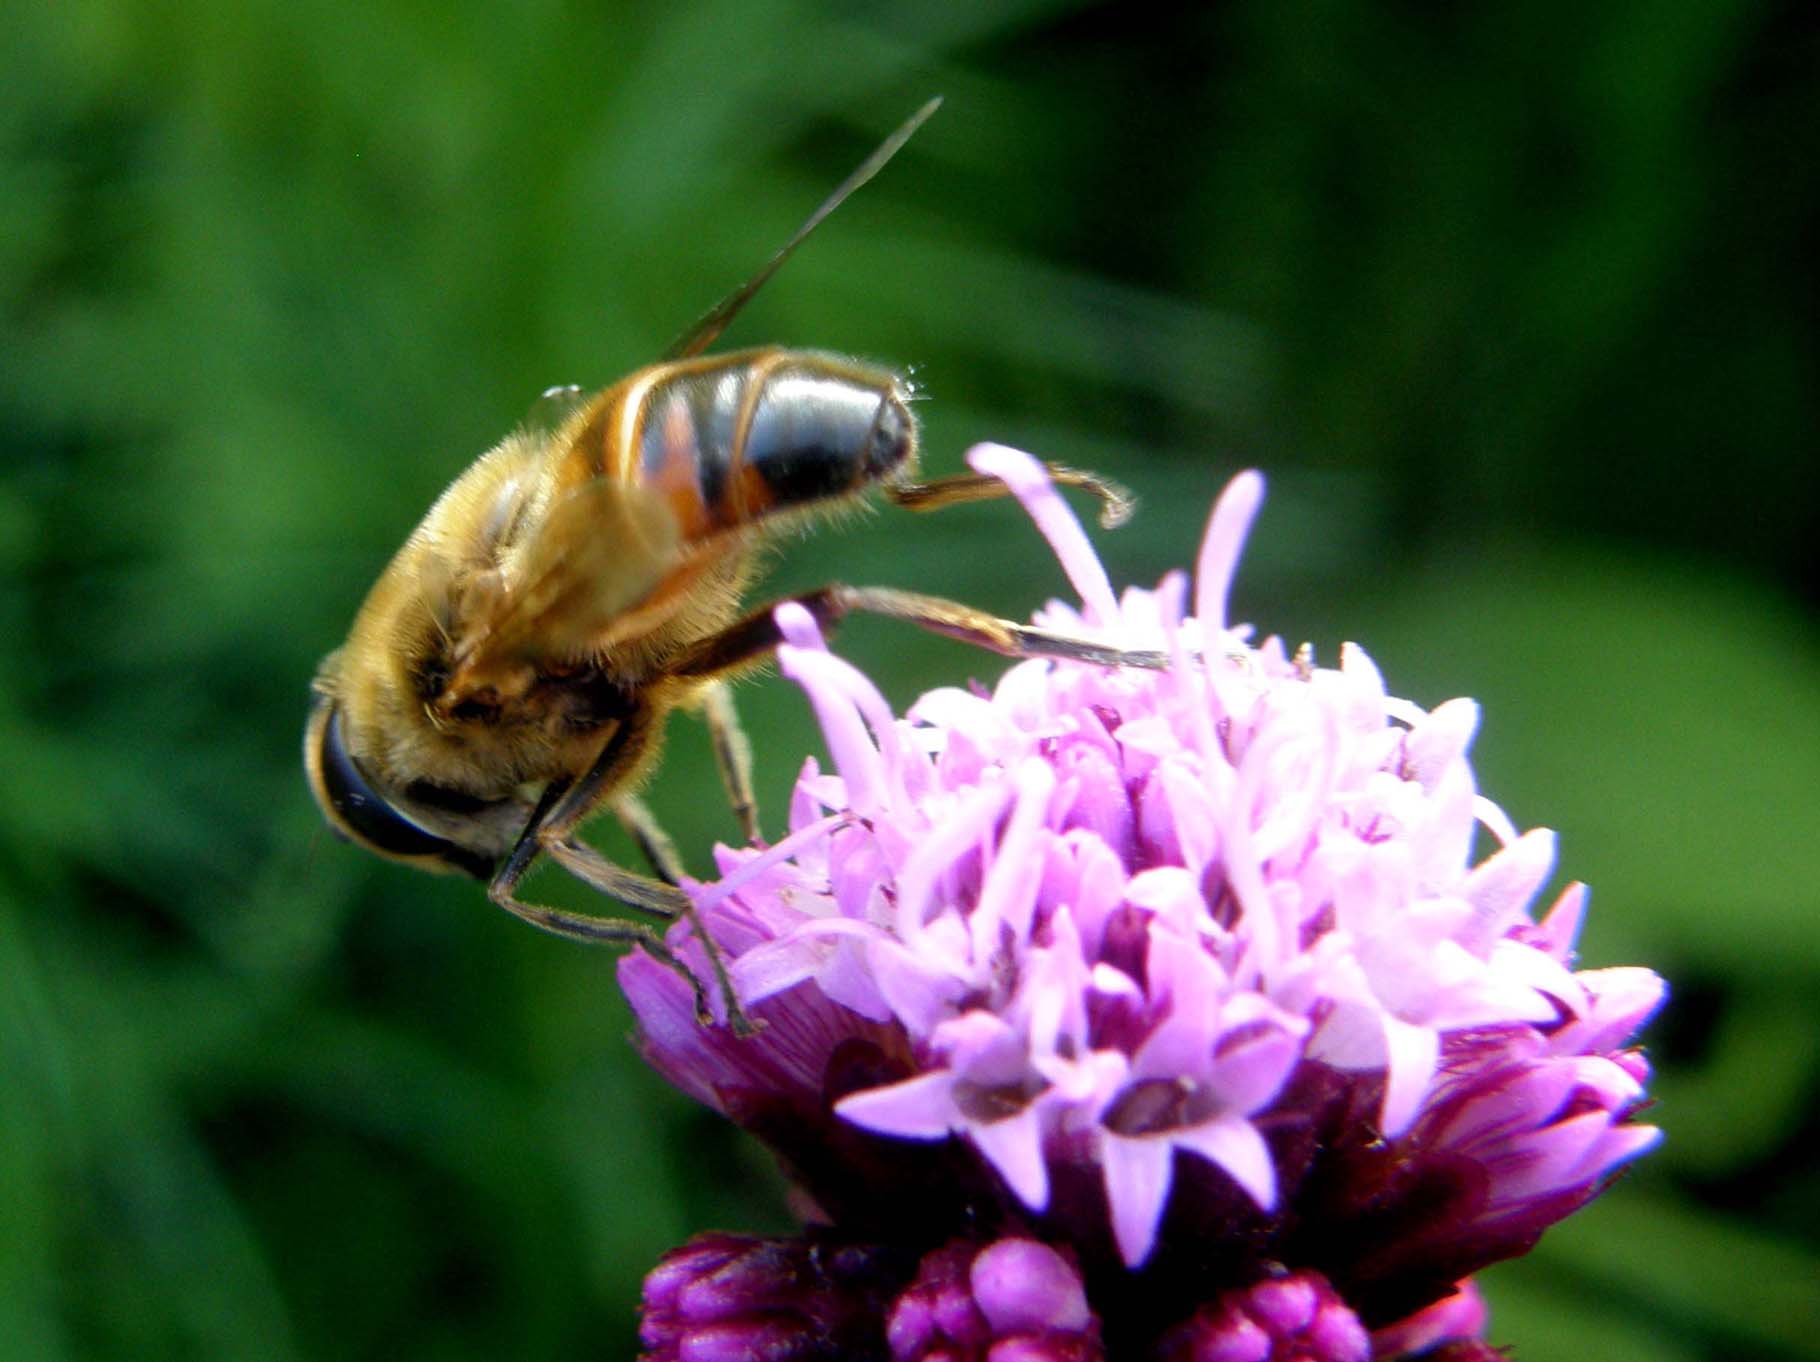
728,1298
1197,972
1296,1316
1013,1301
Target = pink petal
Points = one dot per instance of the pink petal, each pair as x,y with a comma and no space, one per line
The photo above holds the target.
1225,540
1257,918
1056,989
1622,998
1014,1146
1007,897
1181,976
915,987
1176,1048
1540,971
1351,1036
850,681
1494,819
1137,1186
1446,840
1561,927
855,757
1172,895
1554,1157
774,966
1513,1107
1439,740
1414,1052
1287,775
939,847
982,1046
791,847
1500,888
1187,675
951,707
1624,1143
1093,797
920,1108
1099,887
1365,692
778,965
1191,814
798,626
1115,983
1249,1074
1029,481
1234,1144
846,979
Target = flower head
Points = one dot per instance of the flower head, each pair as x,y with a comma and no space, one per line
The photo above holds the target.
1195,971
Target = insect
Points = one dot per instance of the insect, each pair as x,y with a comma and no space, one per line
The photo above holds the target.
511,671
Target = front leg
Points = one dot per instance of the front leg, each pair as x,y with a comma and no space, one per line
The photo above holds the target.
551,828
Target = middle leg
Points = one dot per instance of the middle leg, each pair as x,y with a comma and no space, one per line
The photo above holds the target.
733,755
653,842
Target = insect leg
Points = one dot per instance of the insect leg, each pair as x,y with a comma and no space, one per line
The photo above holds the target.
612,931
757,633
550,829
1116,504
733,754
597,872
659,851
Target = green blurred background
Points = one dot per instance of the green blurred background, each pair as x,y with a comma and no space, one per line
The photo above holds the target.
1510,301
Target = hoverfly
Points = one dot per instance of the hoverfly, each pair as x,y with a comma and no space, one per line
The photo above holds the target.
511,671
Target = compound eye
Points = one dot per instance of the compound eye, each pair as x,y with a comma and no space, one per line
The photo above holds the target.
360,813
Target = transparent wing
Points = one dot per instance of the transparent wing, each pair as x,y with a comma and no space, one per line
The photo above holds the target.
579,572
708,328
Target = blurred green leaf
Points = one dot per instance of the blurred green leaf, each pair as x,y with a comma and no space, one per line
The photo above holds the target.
1686,1278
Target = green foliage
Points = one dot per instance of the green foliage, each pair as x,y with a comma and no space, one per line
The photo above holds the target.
1509,302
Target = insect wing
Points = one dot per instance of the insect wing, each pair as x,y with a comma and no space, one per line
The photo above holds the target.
599,551
707,330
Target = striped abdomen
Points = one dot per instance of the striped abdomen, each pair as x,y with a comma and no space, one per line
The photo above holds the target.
732,438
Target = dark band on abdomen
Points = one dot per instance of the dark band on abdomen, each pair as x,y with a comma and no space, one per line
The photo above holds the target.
769,431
